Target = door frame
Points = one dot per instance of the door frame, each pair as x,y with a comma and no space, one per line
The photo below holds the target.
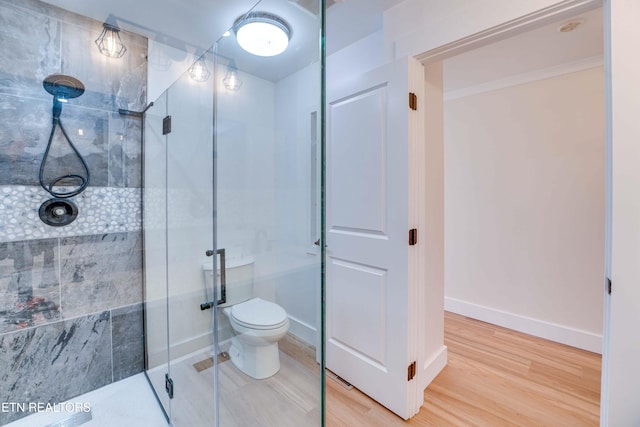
567,9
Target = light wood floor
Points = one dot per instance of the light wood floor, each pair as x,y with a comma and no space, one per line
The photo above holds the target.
494,377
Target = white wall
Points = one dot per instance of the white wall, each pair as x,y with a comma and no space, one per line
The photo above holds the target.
355,59
524,207
298,282
246,166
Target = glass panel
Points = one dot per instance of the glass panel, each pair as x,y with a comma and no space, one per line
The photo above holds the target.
155,253
268,163
189,235
249,216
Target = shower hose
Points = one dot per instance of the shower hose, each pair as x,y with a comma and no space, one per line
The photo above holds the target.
83,182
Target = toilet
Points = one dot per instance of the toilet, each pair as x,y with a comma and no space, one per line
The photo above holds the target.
258,324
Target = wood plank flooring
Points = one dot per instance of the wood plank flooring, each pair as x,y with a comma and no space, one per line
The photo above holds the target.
494,377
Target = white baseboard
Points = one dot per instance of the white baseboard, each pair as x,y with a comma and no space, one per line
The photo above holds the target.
433,366
539,328
302,330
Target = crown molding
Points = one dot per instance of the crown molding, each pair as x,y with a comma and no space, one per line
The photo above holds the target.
518,79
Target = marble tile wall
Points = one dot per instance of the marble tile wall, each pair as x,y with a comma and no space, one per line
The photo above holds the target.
70,316
99,272
53,363
44,281
29,284
38,40
70,297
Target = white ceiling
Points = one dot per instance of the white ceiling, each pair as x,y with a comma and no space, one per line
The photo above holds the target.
535,50
199,23
195,22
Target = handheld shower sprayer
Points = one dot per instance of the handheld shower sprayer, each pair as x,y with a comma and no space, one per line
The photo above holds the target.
57,211
63,88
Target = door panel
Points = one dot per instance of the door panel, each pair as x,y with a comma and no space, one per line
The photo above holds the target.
359,310
365,155
370,334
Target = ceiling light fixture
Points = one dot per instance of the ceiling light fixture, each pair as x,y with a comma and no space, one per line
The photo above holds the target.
199,71
567,27
109,43
262,34
231,80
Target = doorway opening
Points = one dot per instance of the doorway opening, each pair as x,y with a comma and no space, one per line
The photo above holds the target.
523,190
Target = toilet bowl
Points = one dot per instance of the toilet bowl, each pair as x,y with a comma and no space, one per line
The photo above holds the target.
258,324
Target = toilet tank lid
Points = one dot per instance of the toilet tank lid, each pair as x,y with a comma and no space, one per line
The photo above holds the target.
230,263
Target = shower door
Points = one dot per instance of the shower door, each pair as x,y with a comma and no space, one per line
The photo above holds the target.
178,233
233,165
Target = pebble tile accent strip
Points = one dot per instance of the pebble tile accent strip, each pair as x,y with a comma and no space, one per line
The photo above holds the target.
101,210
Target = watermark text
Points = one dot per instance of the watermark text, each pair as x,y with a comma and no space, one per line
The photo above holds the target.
33,407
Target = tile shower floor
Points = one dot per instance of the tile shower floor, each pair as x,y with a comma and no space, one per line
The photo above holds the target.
129,402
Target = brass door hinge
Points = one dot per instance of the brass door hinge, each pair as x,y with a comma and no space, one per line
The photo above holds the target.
411,371
413,236
413,101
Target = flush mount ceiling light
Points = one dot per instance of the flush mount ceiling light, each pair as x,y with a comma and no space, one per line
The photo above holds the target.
262,34
109,43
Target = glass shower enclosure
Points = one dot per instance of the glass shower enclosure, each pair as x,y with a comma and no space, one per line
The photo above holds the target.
233,231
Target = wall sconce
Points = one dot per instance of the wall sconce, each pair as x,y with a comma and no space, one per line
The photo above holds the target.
231,80
199,71
109,43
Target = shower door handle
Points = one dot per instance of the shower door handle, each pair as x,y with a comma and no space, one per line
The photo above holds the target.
223,280
223,277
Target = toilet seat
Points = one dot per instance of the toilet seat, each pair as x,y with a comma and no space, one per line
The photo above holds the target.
259,314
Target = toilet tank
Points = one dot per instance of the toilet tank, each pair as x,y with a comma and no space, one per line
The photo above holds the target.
239,279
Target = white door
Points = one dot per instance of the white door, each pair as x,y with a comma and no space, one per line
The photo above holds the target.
371,304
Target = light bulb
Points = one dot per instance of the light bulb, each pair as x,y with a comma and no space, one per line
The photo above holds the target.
199,71
231,80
